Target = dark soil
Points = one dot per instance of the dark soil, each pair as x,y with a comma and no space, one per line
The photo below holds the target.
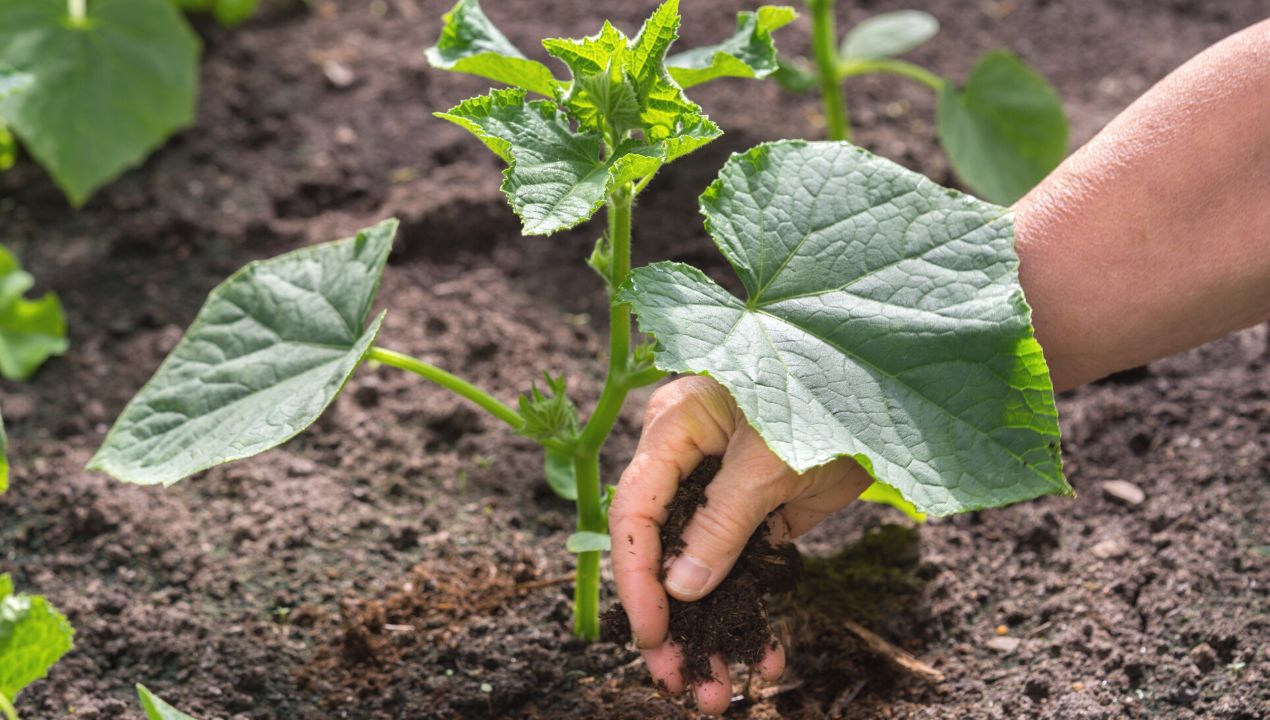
403,558
732,620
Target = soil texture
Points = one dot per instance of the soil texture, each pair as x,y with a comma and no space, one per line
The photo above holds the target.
403,557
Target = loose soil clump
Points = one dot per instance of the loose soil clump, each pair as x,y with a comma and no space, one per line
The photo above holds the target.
732,621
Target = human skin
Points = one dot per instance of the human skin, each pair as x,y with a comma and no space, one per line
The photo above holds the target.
1152,238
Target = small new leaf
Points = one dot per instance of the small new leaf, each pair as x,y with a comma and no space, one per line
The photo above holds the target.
268,352
884,321
583,541
548,415
155,708
555,177
31,331
558,467
888,34
1004,130
749,53
601,260
33,637
471,44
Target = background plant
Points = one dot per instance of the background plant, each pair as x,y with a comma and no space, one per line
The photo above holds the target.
33,637
1003,128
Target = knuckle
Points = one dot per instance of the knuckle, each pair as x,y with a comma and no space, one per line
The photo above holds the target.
720,531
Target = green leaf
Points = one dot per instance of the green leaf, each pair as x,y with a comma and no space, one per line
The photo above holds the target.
269,351
884,322
884,494
795,75
559,470
749,53
31,331
470,43
4,459
156,709
234,12
583,541
33,637
888,34
606,501
548,415
106,93
1004,131
555,178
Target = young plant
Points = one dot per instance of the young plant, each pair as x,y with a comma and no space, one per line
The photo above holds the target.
31,331
112,80
155,708
277,341
33,637
1003,128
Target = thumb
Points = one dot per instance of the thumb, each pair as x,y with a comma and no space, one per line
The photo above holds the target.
746,489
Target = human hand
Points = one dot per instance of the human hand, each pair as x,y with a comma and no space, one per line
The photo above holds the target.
686,421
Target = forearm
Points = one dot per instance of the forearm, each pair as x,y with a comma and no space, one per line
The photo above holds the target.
1155,236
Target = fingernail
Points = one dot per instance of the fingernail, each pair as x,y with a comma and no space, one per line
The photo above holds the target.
687,576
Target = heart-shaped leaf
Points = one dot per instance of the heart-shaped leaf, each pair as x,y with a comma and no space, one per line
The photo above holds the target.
270,349
108,90
884,322
1004,130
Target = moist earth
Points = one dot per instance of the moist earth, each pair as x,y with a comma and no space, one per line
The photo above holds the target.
403,558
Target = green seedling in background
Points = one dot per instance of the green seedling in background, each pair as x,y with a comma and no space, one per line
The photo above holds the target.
33,637
1003,128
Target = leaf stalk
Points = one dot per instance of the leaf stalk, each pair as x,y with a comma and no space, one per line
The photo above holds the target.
891,66
7,708
824,39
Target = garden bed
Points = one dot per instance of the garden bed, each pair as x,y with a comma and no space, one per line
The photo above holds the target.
402,559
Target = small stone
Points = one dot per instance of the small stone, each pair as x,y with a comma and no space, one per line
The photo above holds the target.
1003,630
1204,657
1004,645
338,74
1123,491
1109,549
345,135
1078,686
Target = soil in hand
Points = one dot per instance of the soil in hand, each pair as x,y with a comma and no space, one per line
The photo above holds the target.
732,621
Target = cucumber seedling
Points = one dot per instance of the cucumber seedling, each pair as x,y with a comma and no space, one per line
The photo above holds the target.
1003,128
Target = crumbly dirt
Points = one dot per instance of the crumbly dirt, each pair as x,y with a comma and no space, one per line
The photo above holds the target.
403,559
731,621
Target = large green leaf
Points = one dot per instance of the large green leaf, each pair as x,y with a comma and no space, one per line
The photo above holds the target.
33,637
270,349
107,92
31,331
884,321
749,53
1004,131
555,177
155,708
4,458
470,43
888,34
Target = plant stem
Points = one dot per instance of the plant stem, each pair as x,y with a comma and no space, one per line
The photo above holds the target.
78,11
824,37
903,68
450,382
586,459
9,712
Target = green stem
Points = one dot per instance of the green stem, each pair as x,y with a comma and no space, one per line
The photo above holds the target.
78,11
903,68
7,707
586,459
647,376
450,382
824,37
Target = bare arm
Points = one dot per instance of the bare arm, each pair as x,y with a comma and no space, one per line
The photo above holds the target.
1155,236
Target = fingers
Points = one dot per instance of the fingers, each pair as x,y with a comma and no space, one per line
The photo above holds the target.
687,420
751,483
772,666
663,664
714,696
